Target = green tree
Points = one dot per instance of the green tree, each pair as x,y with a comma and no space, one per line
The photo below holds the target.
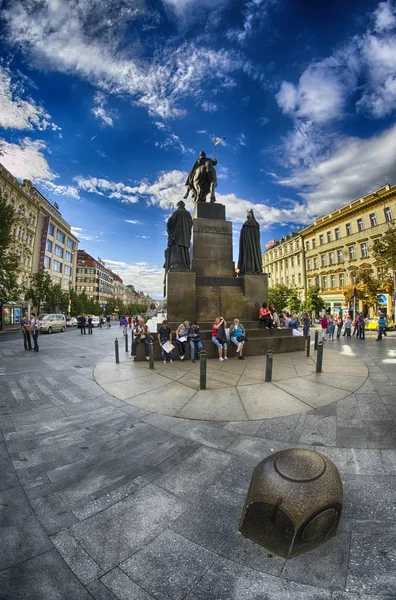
368,287
57,300
314,302
8,260
385,258
40,288
294,303
278,295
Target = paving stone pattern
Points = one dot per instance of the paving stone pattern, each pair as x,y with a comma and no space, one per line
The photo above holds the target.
104,499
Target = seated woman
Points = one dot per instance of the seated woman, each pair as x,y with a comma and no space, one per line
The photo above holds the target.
265,316
194,336
219,337
237,336
181,338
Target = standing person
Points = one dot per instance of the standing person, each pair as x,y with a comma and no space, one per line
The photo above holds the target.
219,337
108,321
306,325
90,325
25,328
361,326
238,337
100,322
194,336
339,326
331,327
35,331
265,316
355,325
324,324
181,338
130,322
275,316
165,335
124,325
348,326
83,321
381,327
140,333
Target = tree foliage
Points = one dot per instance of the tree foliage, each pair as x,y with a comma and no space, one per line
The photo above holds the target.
314,302
40,288
294,303
385,257
367,285
278,295
8,260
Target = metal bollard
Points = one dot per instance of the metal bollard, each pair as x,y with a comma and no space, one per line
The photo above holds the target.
316,340
151,355
202,369
126,341
117,355
268,366
319,358
308,345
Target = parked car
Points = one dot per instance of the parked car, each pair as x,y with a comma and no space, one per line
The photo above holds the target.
71,322
52,322
95,321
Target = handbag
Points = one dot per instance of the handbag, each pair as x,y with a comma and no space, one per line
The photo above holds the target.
221,335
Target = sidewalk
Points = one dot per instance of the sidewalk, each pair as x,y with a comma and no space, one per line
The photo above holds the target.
103,499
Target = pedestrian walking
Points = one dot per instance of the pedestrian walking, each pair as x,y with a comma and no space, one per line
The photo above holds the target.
83,321
324,324
124,325
130,322
361,326
25,328
100,322
355,325
306,325
348,326
340,323
34,328
108,321
381,327
90,325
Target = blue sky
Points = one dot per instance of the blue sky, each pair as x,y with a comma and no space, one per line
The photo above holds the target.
106,105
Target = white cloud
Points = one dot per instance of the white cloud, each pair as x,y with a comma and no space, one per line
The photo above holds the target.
242,140
133,222
209,106
26,160
87,39
86,235
61,190
106,116
357,167
379,57
385,16
255,13
142,275
171,140
19,113
104,187
180,6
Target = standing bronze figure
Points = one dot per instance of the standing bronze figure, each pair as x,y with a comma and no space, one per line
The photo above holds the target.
179,226
250,259
202,179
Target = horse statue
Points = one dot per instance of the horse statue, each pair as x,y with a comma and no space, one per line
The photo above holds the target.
202,179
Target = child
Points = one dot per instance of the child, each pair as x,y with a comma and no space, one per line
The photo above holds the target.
348,325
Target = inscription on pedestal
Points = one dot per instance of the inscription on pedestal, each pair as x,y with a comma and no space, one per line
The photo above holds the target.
211,229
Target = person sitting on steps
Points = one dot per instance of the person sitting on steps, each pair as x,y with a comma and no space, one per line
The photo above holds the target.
219,337
265,316
140,333
238,337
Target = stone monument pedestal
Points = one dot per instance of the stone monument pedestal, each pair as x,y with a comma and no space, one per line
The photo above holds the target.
181,295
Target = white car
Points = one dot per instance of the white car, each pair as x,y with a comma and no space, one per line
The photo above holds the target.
71,322
95,321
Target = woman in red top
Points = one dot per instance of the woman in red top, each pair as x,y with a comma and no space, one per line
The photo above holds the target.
221,345
265,316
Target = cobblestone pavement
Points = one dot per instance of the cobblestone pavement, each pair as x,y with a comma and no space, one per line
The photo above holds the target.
102,499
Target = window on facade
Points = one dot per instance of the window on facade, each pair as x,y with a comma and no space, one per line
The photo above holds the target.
56,279
373,220
293,280
332,281
68,256
340,256
70,243
48,246
298,260
286,263
67,270
321,240
308,265
58,251
363,249
306,245
388,214
348,228
324,282
292,261
337,233
351,250
315,263
342,279
313,242
60,236
47,262
360,224
51,229
57,266
331,258
323,260
329,236
299,278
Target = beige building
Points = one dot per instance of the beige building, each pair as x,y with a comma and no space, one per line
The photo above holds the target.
283,260
41,237
337,244
94,278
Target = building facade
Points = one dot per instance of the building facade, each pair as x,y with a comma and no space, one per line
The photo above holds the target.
283,260
94,278
337,244
41,237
